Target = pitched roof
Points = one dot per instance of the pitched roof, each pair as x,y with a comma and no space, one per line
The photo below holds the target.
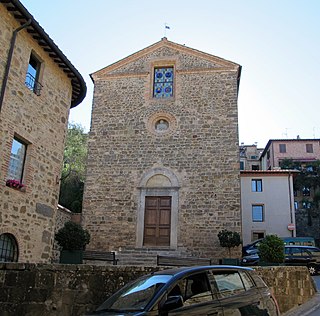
164,42
22,15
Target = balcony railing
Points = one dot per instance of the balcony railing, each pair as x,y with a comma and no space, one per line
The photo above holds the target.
33,84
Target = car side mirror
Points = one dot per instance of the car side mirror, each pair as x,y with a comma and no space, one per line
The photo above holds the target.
172,302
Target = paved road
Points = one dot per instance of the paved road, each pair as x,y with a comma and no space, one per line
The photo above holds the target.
316,279
315,311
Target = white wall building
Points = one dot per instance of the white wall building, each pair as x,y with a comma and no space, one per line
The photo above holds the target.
267,204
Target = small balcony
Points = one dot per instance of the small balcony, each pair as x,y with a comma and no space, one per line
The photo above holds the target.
32,84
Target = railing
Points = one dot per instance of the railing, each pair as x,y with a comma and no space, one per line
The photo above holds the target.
33,84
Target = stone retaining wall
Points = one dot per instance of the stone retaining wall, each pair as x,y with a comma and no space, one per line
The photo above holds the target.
72,290
292,286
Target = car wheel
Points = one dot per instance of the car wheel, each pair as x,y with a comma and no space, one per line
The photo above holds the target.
312,269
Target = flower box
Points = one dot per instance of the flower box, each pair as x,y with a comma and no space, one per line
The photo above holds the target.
15,184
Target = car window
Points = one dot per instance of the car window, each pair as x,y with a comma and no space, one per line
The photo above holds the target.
197,289
254,245
315,252
247,281
286,251
228,283
306,253
295,251
136,295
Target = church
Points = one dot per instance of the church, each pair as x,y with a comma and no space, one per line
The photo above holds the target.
163,161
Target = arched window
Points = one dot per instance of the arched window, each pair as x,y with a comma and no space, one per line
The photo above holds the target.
8,248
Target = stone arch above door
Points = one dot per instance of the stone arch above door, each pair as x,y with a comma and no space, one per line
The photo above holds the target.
158,182
159,172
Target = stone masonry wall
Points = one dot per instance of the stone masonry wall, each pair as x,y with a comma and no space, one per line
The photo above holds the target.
201,150
41,123
73,290
291,286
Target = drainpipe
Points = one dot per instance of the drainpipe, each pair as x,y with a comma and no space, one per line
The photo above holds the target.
290,203
6,72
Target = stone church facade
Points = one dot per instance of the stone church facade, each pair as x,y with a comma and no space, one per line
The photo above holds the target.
163,162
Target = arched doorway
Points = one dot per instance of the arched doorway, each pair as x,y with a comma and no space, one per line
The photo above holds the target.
157,218
8,248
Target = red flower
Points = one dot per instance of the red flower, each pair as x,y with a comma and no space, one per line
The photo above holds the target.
14,184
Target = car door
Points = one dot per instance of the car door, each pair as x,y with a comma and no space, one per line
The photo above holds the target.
198,299
294,256
237,293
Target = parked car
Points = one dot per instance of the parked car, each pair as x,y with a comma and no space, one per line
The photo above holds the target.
199,290
252,248
294,255
250,260
303,255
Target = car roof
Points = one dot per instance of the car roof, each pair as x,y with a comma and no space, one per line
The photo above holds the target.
188,270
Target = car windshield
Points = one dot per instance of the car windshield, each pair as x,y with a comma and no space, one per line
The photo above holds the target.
136,295
311,251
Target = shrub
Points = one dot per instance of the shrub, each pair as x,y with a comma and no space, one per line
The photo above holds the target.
229,239
72,236
271,249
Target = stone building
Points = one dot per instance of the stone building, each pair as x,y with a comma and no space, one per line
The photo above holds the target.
38,87
250,157
163,161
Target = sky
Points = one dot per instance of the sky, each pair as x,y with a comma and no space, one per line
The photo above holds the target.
277,43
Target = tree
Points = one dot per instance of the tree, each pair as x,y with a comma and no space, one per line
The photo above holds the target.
73,173
271,249
306,180
229,239
309,175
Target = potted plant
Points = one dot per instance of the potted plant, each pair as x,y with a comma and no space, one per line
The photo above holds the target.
72,238
229,239
271,250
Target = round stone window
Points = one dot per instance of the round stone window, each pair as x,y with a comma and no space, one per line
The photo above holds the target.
161,123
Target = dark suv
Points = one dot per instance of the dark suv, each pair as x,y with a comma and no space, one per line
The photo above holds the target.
203,290
303,256
294,256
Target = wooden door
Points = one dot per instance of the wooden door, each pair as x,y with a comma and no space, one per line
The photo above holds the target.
157,221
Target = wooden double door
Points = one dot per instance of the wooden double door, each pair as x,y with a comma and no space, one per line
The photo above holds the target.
157,221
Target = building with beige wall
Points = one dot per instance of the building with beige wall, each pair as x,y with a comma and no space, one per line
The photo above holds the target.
39,85
250,157
163,154
303,155
302,150
267,204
